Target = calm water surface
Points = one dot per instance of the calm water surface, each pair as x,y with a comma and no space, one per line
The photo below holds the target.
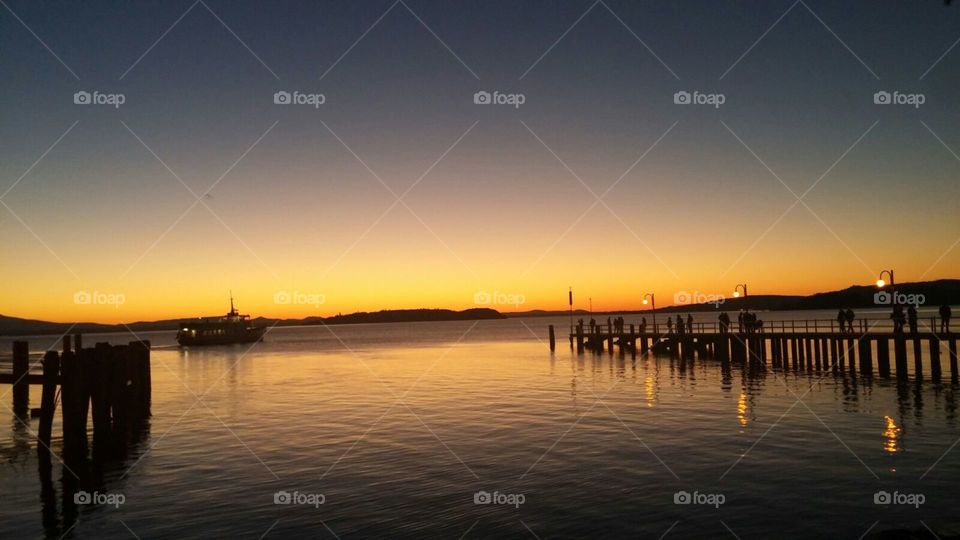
399,426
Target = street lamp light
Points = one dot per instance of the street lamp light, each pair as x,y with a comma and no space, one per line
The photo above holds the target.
736,290
893,284
653,301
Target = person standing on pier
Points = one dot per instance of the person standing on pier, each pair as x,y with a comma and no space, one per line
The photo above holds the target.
945,319
912,319
643,325
724,323
690,323
680,325
898,319
669,325
850,316
740,322
842,320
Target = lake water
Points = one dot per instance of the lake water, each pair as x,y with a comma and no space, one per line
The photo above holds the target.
396,428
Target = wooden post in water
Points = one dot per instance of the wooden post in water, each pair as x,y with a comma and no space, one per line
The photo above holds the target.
935,370
100,398
866,357
580,338
51,371
917,358
816,354
801,350
553,340
834,354
852,354
74,423
953,359
883,357
21,386
900,355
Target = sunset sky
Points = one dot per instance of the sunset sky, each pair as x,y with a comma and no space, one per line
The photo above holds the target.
501,199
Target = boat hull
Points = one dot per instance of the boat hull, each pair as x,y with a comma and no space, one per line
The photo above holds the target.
248,335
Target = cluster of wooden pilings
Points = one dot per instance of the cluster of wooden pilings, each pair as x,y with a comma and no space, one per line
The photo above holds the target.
811,350
106,385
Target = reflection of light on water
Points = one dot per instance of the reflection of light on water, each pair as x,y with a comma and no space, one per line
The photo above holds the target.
648,386
742,409
890,435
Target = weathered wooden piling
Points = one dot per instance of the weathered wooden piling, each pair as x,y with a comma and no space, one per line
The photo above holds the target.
953,359
917,358
21,383
866,357
883,357
935,370
553,340
900,355
51,372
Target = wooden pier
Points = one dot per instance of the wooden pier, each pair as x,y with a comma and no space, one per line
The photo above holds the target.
798,345
106,385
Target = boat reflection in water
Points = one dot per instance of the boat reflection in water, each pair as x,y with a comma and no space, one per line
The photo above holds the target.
231,328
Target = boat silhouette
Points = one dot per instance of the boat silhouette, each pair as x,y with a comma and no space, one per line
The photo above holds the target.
231,328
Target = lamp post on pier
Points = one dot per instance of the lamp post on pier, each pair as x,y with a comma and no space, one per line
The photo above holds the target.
651,299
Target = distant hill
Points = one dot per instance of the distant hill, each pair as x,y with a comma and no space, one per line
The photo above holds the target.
13,326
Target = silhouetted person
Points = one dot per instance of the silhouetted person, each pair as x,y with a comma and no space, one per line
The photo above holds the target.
842,320
912,319
643,325
898,318
593,324
945,314
740,321
724,323
669,325
690,323
850,316
680,329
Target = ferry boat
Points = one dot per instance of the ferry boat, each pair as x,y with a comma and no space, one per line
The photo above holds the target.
231,328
